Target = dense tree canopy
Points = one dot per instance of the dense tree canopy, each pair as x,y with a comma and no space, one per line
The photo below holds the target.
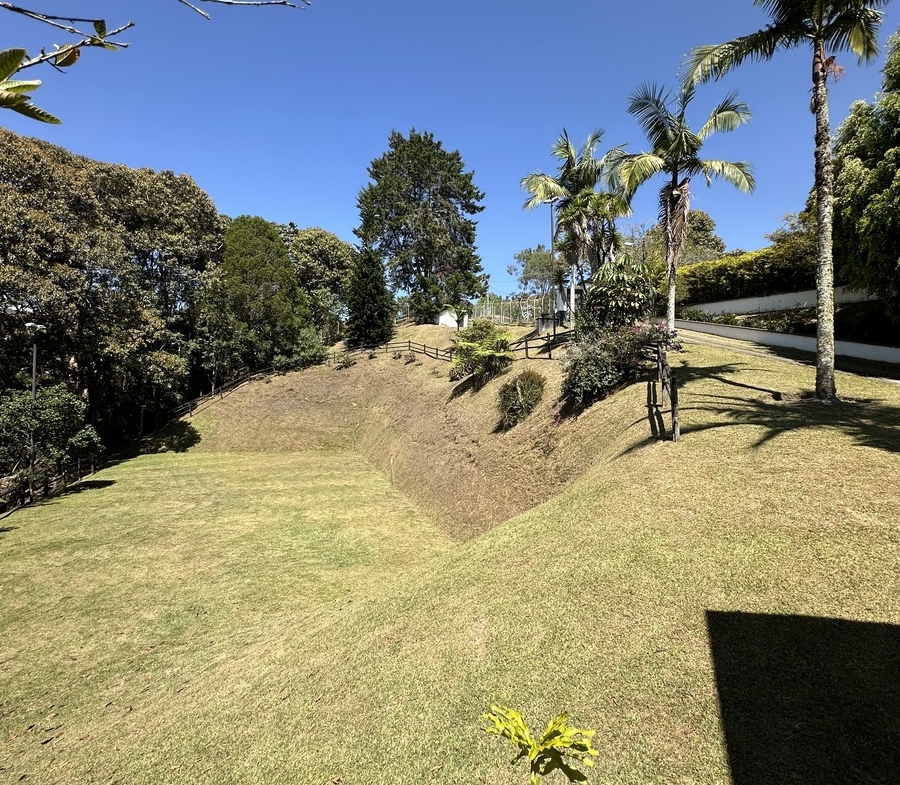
109,259
262,290
119,277
369,303
415,214
867,190
322,266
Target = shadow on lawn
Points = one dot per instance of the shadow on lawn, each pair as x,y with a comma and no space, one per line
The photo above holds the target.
870,422
806,700
177,436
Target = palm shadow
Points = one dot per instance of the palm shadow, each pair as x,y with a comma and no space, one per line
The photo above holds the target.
870,422
807,700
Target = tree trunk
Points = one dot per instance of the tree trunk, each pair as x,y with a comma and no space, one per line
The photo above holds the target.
825,386
676,198
572,295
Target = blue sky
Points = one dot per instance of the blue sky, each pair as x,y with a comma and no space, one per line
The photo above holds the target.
278,112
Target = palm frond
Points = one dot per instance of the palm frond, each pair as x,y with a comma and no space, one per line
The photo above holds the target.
634,170
649,104
739,174
729,115
712,62
855,29
543,188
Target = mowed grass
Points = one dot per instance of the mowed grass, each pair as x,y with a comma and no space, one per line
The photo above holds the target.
721,610
125,604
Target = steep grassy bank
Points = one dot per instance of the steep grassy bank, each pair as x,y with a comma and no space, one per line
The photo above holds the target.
674,596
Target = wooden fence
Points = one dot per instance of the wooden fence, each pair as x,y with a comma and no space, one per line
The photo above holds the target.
17,493
540,347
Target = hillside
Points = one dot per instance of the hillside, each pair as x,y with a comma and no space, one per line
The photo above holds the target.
724,609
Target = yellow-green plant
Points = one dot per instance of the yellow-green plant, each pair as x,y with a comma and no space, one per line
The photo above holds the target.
13,91
560,747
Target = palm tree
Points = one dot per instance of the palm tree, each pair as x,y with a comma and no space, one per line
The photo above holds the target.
578,171
675,153
827,26
587,225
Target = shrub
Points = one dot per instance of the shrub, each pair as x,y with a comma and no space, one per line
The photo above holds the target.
519,396
344,360
756,274
599,363
482,350
621,294
308,349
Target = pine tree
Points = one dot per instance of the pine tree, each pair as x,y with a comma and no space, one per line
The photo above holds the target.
370,305
416,214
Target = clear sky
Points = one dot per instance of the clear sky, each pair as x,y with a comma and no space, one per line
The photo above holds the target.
278,112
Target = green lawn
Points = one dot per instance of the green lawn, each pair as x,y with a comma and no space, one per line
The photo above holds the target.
722,610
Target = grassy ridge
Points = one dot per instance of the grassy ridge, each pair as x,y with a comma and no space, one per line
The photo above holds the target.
222,651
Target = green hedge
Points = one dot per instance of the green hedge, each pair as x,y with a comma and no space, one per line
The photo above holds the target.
755,274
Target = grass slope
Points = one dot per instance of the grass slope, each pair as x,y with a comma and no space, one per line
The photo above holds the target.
234,637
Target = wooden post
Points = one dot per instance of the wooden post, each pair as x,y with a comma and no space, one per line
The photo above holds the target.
526,350
673,396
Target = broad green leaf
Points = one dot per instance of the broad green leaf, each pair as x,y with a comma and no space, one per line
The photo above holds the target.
100,28
20,85
10,60
9,99
30,110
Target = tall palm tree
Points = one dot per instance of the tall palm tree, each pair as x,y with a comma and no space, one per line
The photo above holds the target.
578,171
826,26
675,153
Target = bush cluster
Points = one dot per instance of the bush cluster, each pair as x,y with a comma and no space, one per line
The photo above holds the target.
308,350
519,396
482,350
755,274
603,361
621,294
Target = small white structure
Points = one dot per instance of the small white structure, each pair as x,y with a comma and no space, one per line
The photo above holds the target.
447,318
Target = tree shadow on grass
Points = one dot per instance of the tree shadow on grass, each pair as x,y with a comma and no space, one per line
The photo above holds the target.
870,422
81,486
807,700
177,436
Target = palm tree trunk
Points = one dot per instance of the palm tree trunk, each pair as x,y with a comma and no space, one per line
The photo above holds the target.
825,386
676,198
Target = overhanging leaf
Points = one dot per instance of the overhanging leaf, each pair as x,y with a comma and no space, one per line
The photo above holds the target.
10,60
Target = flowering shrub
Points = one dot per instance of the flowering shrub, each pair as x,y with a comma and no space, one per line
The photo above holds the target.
600,362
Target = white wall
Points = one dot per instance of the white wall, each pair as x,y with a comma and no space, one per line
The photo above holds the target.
448,319
780,302
806,343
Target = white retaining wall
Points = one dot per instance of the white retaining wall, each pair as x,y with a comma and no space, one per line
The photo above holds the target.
780,302
806,343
